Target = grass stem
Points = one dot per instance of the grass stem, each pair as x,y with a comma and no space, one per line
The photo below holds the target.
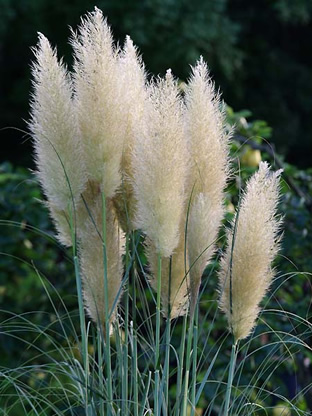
230,379
107,312
158,312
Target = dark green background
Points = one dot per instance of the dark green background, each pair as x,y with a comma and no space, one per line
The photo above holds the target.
259,53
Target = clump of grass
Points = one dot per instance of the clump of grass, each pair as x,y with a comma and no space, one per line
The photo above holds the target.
118,153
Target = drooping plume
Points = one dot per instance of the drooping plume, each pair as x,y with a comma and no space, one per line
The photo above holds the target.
92,262
253,242
160,161
209,149
99,101
57,143
133,83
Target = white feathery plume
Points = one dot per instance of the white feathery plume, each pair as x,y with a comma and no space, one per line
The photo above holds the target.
92,262
209,150
133,80
253,242
160,161
57,143
99,101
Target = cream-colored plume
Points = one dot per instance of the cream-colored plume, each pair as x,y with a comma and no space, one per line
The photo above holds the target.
204,222
160,160
209,149
99,101
174,282
53,125
134,97
92,261
253,242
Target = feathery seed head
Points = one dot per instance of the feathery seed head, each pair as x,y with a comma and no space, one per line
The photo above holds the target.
208,139
209,149
99,101
92,262
253,242
160,161
57,143
133,80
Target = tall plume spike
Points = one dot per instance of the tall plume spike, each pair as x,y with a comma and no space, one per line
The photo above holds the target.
99,101
209,149
160,167
53,125
253,242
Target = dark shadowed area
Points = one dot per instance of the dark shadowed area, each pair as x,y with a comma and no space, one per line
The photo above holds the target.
258,53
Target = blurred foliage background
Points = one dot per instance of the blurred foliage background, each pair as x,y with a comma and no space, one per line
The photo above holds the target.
259,56
258,52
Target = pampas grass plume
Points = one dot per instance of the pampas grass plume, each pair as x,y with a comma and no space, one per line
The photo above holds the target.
160,160
209,149
92,262
99,102
253,242
133,79
53,126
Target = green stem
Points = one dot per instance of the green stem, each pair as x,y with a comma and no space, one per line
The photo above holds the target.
124,380
188,363
166,366
230,378
194,362
100,370
135,376
167,346
158,311
156,394
84,342
135,346
84,339
107,312
180,367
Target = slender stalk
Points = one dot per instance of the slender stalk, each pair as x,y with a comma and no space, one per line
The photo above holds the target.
158,311
84,342
119,363
230,379
84,339
143,403
135,376
189,354
135,342
106,311
194,362
184,408
124,380
156,394
180,366
100,369
167,361
167,341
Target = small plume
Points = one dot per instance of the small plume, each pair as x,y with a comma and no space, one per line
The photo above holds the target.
57,143
160,161
253,242
99,101
133,80
209,150
92,262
